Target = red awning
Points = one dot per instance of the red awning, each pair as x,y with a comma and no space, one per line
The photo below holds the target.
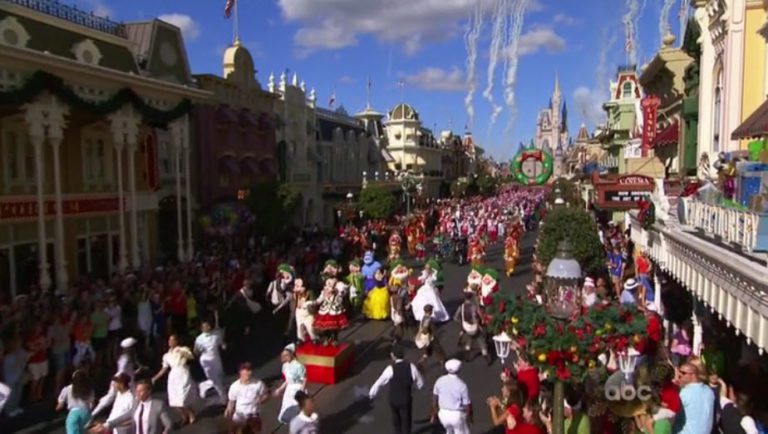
229,164
250,165
225,115
756,124
668,136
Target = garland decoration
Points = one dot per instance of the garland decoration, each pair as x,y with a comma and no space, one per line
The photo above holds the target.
540,155
41,81
568,350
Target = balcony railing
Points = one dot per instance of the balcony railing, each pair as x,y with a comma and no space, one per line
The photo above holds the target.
74,15
732,226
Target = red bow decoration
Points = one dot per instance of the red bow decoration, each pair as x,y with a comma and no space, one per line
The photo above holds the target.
536,155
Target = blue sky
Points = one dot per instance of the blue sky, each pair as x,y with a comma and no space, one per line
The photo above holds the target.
336,45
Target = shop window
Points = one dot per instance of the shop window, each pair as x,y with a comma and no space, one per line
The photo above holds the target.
18,156
96,158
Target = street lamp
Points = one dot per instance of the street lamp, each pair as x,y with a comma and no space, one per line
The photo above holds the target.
503,343
350,196
562,303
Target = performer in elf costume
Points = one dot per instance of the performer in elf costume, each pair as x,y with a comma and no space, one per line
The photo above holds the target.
395,242
355,282
330,270
476,251
489,287
511,253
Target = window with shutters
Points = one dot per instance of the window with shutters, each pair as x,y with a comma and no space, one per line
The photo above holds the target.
18,157
97,163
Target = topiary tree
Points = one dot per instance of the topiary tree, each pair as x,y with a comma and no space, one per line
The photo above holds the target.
377,202
578,226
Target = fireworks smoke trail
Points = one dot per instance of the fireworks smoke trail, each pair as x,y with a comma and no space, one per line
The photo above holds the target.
473,34
497,49
601,72
664,26
636,26
510,79
633,8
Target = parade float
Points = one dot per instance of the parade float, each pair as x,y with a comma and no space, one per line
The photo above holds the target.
539,157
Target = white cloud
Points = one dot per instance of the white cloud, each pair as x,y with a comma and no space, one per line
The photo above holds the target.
438,79
189,27
564,19
589,102
335,24
541,38
346,79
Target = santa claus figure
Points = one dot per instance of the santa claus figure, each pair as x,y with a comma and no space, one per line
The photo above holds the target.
489,286
394,246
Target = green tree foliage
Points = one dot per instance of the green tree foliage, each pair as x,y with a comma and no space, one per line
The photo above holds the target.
577,225
459,188
273,205
569,191
487,185
377,202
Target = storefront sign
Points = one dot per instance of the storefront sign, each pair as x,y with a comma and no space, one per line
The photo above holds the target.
622,192
650,105
27,209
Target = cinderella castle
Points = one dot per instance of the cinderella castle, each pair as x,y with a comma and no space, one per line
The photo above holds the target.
552,129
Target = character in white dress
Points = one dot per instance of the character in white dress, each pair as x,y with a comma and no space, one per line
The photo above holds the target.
126,363
207,346
181,388
428,294
122,401
295,379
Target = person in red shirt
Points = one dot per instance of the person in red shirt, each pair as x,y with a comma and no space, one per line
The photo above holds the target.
529,376
513,419
176,307
37,346
650,344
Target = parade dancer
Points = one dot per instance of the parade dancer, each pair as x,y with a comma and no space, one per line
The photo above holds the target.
180,385
421,247
511,253
426,337
401,376
475,253
331,315
470,318
246,395
294,380
121,399
394,246
305,309
280,292
207,347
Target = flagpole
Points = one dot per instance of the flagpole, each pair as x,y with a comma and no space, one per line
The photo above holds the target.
236,22
368,103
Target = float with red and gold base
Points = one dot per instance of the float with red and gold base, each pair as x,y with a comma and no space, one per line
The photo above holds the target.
326,364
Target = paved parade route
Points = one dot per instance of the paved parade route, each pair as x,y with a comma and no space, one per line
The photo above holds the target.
344,407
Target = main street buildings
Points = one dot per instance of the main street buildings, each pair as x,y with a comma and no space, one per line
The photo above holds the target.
78,108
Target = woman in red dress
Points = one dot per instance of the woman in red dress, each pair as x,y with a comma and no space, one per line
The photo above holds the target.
513,419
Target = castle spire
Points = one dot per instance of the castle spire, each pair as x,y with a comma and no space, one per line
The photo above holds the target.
557,85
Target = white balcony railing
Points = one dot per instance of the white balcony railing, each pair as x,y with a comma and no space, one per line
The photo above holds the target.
730,225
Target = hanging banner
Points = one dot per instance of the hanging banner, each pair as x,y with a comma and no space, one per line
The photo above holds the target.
151,173
650,105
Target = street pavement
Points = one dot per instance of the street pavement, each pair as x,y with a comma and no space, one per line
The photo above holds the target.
345,407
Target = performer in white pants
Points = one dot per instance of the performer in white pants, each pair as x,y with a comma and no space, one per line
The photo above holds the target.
451,404
207,346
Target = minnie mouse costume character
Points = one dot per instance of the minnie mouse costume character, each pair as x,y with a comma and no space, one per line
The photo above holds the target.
331,314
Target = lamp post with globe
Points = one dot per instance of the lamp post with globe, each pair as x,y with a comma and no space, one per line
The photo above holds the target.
562,300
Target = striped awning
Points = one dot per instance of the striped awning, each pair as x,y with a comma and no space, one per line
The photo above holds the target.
756,125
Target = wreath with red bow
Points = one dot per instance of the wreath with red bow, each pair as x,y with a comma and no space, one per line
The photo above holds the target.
647,214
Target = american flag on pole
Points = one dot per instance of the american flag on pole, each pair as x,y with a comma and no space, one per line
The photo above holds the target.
332,101
228,8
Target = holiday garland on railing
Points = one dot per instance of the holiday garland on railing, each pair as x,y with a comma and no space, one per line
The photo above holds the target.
566,350
41,81
647,214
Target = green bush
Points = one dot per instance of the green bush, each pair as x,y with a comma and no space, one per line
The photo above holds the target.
577,225
377,202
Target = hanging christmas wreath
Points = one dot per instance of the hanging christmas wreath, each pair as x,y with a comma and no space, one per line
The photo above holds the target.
647,214
544,157
41,81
